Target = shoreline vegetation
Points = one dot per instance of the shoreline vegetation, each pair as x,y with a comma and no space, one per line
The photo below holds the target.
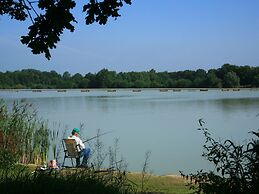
227,76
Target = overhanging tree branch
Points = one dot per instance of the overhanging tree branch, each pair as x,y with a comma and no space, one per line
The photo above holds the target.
56,16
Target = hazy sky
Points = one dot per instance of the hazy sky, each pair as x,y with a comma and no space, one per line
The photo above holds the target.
166,35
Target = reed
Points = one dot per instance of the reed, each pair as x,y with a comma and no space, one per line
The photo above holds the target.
22,133
145,175
54,135
99,152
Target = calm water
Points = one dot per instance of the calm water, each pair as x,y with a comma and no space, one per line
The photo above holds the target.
164,123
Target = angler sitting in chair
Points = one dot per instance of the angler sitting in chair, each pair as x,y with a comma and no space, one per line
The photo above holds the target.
85,152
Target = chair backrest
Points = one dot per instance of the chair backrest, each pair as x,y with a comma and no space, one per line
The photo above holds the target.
71,148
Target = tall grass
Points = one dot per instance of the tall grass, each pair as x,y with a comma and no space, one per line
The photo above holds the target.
22,133
65,181
144,174
98,152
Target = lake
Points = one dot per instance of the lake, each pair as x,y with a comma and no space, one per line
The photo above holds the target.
164,123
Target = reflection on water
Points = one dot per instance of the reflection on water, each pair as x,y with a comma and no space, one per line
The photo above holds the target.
242,103
164,123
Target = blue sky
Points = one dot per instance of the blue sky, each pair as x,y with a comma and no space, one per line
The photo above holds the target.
166,35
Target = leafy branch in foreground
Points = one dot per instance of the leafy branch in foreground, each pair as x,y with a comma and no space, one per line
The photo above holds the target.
51,17
237,166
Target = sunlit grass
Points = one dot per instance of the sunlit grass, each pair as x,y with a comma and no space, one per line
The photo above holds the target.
165,184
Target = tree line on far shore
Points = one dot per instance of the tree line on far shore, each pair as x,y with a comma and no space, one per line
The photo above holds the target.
227,76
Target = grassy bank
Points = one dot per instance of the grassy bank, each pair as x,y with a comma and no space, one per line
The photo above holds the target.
24,179
168,184
20,179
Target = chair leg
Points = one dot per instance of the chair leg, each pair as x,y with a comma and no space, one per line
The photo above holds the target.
64,161
77,162
72,162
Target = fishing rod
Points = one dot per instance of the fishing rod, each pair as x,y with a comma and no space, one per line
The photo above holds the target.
96,136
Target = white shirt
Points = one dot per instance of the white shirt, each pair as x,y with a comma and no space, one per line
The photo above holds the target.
78,142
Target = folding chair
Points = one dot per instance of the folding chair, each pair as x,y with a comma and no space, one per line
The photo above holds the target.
71,150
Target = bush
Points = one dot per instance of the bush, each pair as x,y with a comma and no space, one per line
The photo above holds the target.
237,167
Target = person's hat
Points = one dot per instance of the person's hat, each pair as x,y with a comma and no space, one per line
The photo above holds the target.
76,130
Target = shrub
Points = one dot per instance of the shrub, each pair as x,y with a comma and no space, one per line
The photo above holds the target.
237,167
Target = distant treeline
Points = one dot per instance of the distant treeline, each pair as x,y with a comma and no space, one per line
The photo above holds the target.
228,76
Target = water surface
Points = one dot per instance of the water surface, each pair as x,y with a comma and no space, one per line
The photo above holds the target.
164,123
